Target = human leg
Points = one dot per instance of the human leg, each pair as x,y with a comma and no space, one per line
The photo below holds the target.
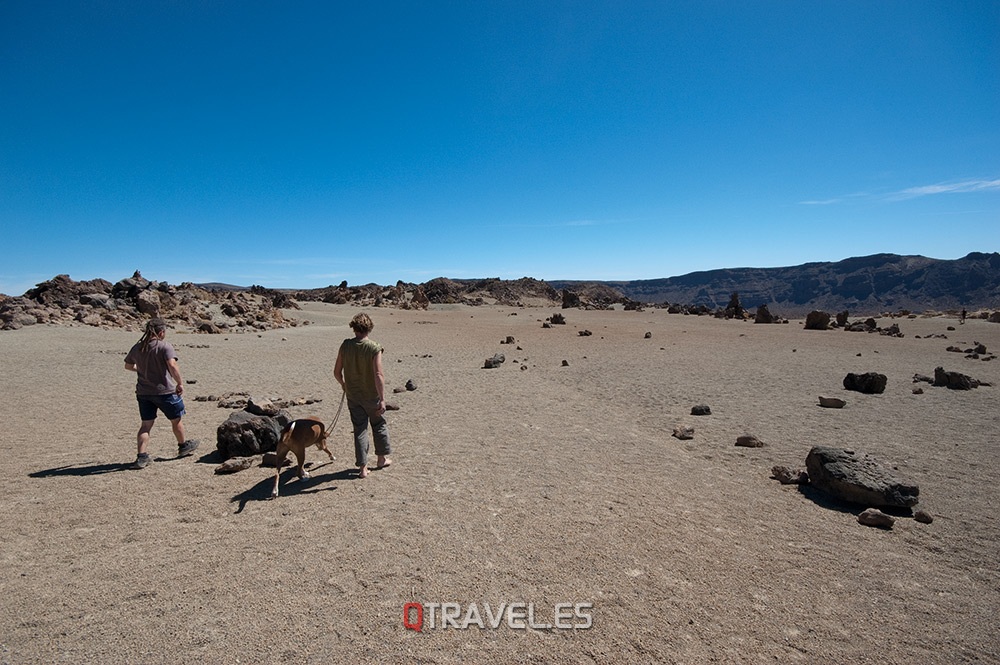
142,438
178,428
359,420
380,433
172,407
147,414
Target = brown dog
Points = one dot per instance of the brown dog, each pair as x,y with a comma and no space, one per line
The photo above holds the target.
296,437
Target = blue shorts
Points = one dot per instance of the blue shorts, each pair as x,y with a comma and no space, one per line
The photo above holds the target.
171,405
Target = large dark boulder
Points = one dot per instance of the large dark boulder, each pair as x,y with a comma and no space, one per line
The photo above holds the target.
954,380
734,310
245,434
858,478
871,383
570,299
817,320
764,315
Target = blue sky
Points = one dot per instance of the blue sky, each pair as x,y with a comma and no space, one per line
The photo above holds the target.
299,144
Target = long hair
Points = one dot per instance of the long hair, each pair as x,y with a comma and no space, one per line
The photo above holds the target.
153,328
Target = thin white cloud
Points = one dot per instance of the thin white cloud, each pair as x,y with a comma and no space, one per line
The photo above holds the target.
961,187
566,223
948,188
835,200
821,202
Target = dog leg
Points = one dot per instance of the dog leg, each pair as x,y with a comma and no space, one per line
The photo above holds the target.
279,459
300,455
322,446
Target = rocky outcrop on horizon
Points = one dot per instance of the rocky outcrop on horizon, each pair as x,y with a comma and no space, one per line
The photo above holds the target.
131,302
439,291
878,284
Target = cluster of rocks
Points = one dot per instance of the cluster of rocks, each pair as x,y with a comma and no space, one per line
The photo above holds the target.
401,296
820,320
733,310
131,302
870,326
976,352
858,479
554,320
953,380
843,474
264,407
598,297
409,386
439,291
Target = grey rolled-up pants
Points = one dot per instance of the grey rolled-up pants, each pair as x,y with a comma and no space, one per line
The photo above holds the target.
363,414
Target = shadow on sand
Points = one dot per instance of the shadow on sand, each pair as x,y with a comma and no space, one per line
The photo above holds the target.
76,470
823,499
262,490
98,469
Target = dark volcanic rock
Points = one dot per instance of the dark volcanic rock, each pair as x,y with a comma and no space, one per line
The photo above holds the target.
494,362
953,380
871,383
764,315
817,320
245,434
858,478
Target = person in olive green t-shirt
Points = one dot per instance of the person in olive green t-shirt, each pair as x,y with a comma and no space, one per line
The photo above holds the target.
359,372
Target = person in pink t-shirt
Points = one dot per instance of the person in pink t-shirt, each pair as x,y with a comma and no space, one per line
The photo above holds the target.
158,388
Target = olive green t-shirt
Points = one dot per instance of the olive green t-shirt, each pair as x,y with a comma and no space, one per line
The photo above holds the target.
358,357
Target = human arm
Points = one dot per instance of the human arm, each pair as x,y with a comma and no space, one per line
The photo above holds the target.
379,381
131,367
175,373
338,369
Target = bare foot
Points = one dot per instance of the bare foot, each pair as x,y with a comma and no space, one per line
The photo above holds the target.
383,462
363,472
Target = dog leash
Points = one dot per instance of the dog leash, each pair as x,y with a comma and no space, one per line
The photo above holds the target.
343,396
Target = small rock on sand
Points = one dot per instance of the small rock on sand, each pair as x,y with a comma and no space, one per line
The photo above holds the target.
683,433
787,476
234,464
875,517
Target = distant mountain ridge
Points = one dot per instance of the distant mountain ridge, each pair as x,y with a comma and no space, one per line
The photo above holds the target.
876,283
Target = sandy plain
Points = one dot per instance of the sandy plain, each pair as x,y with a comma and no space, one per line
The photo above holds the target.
531,483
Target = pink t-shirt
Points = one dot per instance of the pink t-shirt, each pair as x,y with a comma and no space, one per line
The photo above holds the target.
151,366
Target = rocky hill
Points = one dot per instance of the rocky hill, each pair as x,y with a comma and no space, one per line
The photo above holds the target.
867,284
861,285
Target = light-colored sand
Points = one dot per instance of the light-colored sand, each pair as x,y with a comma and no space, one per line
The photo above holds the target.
541,485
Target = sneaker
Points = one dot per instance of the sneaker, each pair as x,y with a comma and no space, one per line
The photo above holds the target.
187,448
141,461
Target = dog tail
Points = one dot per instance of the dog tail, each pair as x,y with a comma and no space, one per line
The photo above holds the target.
286,432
